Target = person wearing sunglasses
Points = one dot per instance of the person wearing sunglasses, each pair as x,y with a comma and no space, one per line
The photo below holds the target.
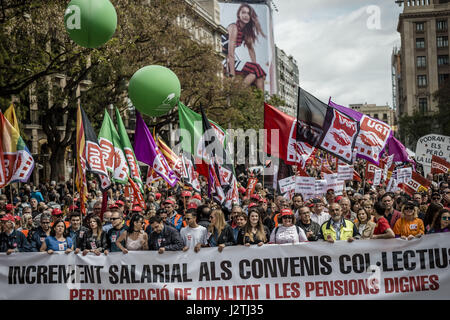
287,232
118,228
42,232
135,238
409,226
442,222
194,236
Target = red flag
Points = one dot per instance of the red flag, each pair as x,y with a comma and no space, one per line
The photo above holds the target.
370,171
416,184
286,147
136,195
356,176
251,186
439,165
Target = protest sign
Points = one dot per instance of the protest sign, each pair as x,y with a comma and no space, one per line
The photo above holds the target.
429,145
345,172
306,186
287,184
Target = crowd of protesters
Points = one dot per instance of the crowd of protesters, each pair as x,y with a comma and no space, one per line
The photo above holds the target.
47,218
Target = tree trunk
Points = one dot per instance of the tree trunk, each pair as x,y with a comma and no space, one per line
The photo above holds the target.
57,163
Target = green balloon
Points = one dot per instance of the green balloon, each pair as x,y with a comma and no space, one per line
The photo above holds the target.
90,23
154,90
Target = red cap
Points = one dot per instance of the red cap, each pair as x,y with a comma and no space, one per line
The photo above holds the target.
286,212
9,207
7,217
73,207
169,201
251,205
157,196
262,200
186,194
120,202
338,198
56,212
241,190
137,209
255,196
191,205
17,218
113,206
197,196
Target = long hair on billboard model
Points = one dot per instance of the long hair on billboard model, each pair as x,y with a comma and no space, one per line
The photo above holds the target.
245,31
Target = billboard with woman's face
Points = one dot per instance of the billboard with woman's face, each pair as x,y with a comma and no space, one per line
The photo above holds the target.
249,47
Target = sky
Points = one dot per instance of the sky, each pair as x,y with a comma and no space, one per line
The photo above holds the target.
343,47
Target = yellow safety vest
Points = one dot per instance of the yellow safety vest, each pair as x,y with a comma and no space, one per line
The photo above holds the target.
347,228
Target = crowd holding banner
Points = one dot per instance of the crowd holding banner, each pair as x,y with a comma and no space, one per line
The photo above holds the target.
341,181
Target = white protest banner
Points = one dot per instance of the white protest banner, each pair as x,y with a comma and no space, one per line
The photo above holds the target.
392,185
306,186
362,270
287,184
377,177
429,145
334,183
345,172
404,175
321,187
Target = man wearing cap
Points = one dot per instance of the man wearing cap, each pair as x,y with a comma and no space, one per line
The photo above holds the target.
319,215
12,240
338,228
172,216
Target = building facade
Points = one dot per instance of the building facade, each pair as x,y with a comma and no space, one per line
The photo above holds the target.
288,81
421,65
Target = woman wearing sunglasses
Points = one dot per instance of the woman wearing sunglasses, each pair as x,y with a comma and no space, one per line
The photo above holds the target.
442,222
409,226
287,232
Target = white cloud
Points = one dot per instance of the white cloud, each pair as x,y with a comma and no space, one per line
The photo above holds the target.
338,55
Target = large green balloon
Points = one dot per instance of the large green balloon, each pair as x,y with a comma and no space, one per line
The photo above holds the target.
154,90
90,23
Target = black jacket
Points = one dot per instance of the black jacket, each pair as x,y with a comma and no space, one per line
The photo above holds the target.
90,242
111,237
242,239
314,227
169,239
37,239
77,236
16,240
226,237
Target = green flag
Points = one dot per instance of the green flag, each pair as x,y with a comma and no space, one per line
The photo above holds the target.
112,150
135,172
193,138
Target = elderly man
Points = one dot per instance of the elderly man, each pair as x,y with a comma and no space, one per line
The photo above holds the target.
312,229
338,228
41,233
346,209
319,215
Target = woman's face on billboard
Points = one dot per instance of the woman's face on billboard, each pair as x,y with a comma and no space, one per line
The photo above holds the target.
244,15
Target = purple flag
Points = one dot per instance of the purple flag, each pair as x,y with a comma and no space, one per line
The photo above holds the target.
350,112
148,152
398,150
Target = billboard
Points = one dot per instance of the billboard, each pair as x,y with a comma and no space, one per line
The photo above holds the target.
249,46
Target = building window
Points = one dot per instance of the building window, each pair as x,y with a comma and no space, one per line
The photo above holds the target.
423,105
421,62
442,42
441,25
420,26
422,81
420,43
442,78
443,60
375,115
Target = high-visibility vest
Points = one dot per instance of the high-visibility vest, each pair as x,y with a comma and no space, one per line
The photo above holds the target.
347,228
